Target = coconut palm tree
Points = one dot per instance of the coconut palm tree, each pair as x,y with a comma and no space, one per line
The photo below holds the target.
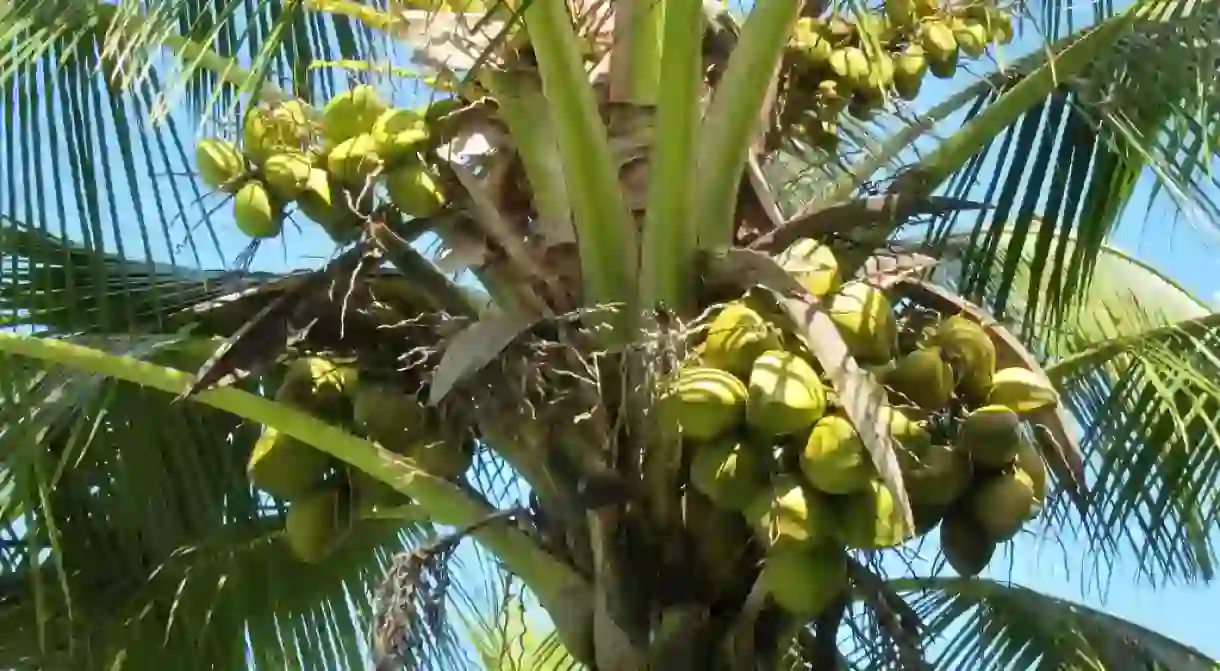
208,465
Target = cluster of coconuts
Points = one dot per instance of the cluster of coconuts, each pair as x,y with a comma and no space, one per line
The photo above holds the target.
328,164
326,497
833,69
766,440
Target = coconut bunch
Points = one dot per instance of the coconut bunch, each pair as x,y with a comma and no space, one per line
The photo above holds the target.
832,70
328,165
765,438
326,496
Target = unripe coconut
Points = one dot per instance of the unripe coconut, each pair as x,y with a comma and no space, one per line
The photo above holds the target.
354,160
317,524
370,494
1002,503
991,435
326,204
970,351
966,547
971,37
834,459
256,213
901,12
865,319
220,164
284,467
1022,390
389,416
999,27
811,263
941,476
927,7
787,514
837,30
910,66
927,517
923,378
706,402
938,42
445,459
817,52
785,394
351,113
946,69
870,520
850,67
287,174
291,121
400,133
721,545
265,133
413,191
736,337
730,473
881,75
805,580
318,385
1029,459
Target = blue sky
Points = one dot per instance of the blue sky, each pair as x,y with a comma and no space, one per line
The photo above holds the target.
1178,248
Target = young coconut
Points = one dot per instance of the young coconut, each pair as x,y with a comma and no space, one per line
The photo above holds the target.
287,174
991,435
922,377
869,519
865,319
785,395
317,524
354,160
445,459
1029,459
326,204
786,513
284,467
834,459
706,402
965,544
257,214
1022,390
318,385
351,113
413,191
805,580
400,134
220,164
812,264
736,337
941,476
391,417
970,351
1002,503
730,473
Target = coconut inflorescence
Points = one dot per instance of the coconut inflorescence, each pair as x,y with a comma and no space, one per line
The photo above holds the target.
338,165
833,67
327,498
764,436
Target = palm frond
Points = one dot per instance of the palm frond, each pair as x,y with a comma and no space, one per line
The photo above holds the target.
978,623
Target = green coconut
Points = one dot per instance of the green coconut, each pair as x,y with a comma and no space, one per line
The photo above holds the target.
284,467
805,580
326,204
391,417
256,212
941,476
287,174
965,544
1002,503
352,113
319,385
400,134
1022,390
354,160
786,513
834,459
865,319
970,351
413,190
870,519
317,524
220,164
736,337
1029,459
786,395
991,435
706,402
813,265
730,472
445,459
922,377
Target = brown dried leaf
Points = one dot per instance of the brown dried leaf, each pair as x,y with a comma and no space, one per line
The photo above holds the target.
860,393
